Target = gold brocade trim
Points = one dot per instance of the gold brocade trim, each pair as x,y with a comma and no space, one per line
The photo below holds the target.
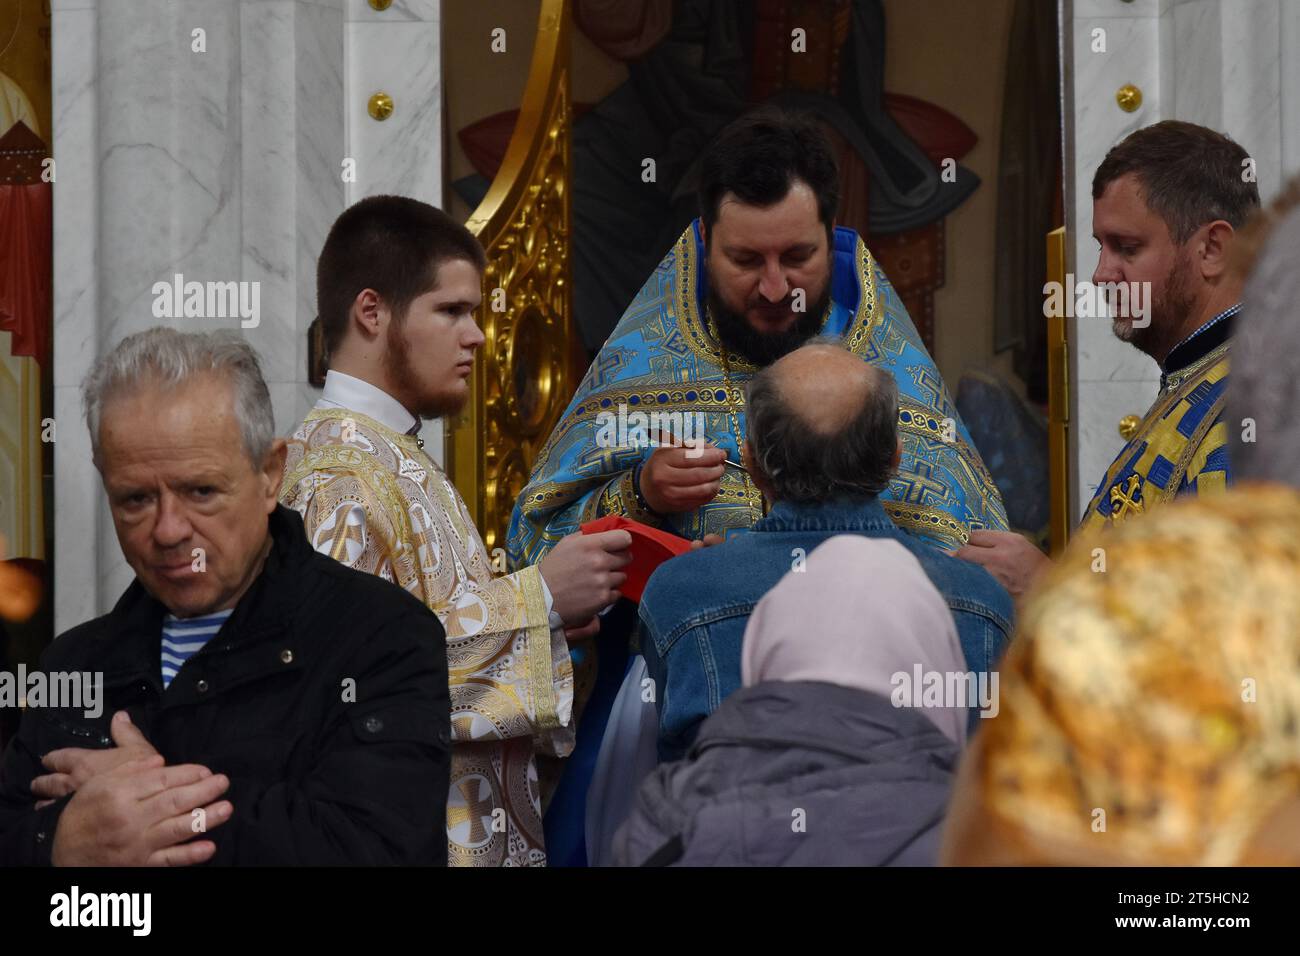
593,507
752,495
921,420
554,493
380,480
409,442
647,401
1176,379
533,604
1192,445
912,516
339,543
619,497
1214,439
868,317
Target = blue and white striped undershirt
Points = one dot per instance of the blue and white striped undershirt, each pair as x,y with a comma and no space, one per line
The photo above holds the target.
182,638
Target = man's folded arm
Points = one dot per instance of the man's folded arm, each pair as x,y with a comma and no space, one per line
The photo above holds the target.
378,794
26,834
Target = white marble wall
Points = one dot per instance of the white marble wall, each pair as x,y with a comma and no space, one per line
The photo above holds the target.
221,165
77,494
1214,62
397,51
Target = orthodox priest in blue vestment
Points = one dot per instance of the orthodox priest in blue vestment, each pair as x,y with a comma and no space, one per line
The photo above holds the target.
665,356
675,370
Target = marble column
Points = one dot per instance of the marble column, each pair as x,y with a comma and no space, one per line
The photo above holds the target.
397,51
218,155
1218,63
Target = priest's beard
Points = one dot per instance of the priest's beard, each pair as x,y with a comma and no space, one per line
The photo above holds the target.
416,395
1170,306
764,348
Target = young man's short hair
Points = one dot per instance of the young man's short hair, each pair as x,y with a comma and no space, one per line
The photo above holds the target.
393,245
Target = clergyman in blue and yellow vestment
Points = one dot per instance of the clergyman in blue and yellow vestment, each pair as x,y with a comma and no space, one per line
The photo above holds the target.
1181,445
663,357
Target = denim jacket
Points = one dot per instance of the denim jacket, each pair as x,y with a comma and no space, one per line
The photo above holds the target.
695,607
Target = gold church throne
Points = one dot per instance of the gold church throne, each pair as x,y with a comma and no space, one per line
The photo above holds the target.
529,366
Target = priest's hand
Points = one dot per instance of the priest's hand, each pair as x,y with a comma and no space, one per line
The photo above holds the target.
1009,557
677,478
583,572
72,767
708,541
142,814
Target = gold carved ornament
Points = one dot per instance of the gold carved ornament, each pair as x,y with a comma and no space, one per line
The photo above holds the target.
525,372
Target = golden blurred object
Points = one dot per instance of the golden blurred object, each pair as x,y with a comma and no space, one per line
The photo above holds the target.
1136,689
381,4
20,593
1129,98
1128,426
380,106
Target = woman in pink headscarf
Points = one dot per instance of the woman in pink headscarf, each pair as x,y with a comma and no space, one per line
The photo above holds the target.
825,756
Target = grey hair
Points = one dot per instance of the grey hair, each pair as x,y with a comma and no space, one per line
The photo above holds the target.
1264,385
166,357
801,464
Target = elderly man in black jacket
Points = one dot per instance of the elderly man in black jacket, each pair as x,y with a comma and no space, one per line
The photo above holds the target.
261,703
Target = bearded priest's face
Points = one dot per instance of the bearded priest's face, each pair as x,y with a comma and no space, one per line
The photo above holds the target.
769,273
1136,247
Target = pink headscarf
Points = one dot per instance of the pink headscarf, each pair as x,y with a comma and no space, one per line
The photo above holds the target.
858,613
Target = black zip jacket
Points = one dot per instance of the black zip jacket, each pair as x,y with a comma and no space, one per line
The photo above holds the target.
323,698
